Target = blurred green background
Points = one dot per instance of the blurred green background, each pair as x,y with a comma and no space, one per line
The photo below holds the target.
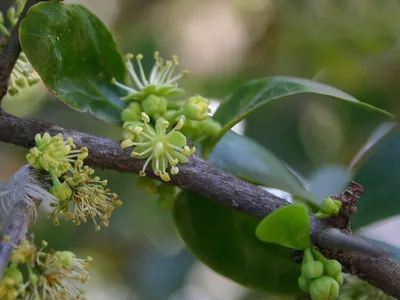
352,45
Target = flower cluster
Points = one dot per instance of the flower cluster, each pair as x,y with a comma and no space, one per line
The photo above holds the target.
80,195
157,127
320,277
35,274
23,74
329,207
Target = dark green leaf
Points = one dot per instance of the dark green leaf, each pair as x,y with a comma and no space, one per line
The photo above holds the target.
381,181
259,92
252,162
76,57
288,226
225,240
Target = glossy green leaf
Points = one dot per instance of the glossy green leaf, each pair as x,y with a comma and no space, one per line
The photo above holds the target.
288,226
76,57
225,240
258,92
252,162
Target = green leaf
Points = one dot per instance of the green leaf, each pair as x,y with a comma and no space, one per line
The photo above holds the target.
225,240
380,178
258,92
327,181
250,161
288,226
76,57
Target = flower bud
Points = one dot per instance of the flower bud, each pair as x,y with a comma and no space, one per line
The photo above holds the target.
155,106
192,129
312,269
338,278
332,267
66,258
14,274
330,206
324,288
210,127
132,112
62,191
304,283
196,108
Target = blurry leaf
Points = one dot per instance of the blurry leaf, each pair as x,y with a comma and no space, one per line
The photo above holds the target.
329,180
380,178
225,240
288,226
252,162
258,92
374,140
394,251
76,57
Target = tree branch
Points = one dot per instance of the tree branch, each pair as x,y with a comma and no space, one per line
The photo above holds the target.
201,177
198,176
15,228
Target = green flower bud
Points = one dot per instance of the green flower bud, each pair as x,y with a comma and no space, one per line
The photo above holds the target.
332,267
62,191
304,283
33,279
210,127
330,206
14,274
66,258
148,185
170,115
196,108
132,112
155,106
324,288
312,269
192,129
338,278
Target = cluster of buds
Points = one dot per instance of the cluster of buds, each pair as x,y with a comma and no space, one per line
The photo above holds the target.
80,195
320,277
150,115
34,274
329,207
23,74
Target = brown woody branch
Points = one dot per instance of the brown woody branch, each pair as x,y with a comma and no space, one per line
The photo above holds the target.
197,175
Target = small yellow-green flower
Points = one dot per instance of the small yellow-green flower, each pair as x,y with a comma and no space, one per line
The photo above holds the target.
162,149
52,152
89,199
161,82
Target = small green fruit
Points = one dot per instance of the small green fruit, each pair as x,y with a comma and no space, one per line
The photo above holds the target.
14,274
62,191
155,106
338,278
